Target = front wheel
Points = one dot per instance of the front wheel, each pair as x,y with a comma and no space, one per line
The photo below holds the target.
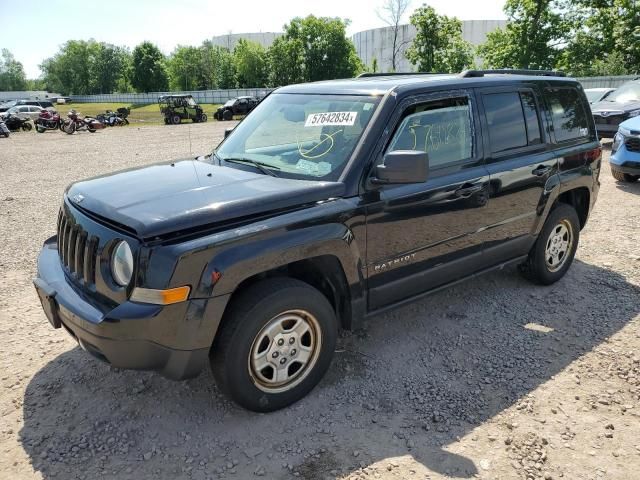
276,344
623,177
203,117
40,129
176,119
553,252
69,127
26,127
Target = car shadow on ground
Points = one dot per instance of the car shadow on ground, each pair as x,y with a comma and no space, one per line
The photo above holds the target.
412,382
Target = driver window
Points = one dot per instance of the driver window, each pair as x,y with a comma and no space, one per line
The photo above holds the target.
442,128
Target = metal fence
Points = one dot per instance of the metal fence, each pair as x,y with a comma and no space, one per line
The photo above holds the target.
221,96
200,96
605,82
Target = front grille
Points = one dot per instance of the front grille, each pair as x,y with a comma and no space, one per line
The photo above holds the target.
608,120
77,249
633,144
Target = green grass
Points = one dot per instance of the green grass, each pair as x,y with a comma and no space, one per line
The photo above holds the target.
140,114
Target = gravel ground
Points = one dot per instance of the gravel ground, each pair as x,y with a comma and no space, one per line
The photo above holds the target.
492,379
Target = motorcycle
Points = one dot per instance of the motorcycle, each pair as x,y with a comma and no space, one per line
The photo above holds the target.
48,120
16,123
75,123
114,119
4,131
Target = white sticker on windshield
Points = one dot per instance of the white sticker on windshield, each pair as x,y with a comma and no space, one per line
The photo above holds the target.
311,168
331,118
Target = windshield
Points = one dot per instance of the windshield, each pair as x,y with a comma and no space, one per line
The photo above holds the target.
229,103
629,92
594,95
301,136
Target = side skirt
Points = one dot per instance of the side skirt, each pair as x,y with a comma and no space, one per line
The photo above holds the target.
406,301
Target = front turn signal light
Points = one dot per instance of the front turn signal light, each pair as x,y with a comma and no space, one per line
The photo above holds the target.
160,297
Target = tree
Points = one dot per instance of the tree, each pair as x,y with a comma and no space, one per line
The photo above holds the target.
149,70
603,38
285,59
313,48
109,68
391,13
12,76
226,70
531,39
438,45
184,67
250,60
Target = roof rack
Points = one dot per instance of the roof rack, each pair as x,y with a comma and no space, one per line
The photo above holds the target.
390,74
509,71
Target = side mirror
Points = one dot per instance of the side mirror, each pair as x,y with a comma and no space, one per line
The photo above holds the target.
402,166
227,131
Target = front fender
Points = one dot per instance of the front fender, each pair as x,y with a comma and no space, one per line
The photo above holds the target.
231,266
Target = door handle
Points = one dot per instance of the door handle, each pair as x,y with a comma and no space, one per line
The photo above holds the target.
541,170
468,190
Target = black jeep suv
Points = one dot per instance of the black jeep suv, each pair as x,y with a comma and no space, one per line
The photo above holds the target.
328,203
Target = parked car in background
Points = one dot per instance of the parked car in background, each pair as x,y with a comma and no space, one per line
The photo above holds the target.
24,111
625,151
63,100
597,94
236,106
620,105
7,105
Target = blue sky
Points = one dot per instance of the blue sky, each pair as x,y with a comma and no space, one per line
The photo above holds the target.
33,30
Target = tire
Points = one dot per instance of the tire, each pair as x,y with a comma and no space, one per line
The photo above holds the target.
541,266
176,119
40,129
227,115
623,177
26,127
274,303
69,128
91,130
203,118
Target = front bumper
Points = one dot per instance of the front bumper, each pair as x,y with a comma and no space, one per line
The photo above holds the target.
626,161
174,340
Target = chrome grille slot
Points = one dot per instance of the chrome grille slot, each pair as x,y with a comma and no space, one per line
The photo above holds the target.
77,249
633,144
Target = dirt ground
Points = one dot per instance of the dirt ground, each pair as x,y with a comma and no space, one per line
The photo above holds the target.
493,379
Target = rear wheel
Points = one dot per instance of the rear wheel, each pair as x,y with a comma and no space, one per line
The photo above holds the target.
275,345
227,115
176,119
623,177
26,127
553,252
203,117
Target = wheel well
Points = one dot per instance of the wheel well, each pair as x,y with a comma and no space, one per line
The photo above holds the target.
579,199
323,273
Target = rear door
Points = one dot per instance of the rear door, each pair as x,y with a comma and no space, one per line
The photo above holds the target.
520,164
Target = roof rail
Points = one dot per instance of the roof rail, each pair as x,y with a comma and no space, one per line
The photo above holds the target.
510,71
390,74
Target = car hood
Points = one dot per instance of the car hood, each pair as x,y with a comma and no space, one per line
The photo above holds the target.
176,196
606,107
632,124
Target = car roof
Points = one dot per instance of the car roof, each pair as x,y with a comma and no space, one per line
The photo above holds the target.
381,84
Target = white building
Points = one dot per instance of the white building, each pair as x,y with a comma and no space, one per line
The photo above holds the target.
378,42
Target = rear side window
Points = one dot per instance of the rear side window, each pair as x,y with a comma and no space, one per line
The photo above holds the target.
505,118
567,114
531,117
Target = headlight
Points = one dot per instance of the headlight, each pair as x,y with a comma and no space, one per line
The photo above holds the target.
122,264
617,141
634,113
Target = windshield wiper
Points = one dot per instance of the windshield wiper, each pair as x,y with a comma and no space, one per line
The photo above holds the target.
263,167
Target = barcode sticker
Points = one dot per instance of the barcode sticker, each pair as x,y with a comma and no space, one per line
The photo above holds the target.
331,119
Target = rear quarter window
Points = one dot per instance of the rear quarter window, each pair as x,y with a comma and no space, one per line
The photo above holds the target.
568,116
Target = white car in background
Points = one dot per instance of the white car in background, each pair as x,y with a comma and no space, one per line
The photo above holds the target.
597,94
24,111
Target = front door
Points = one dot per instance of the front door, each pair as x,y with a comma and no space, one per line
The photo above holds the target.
423,235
